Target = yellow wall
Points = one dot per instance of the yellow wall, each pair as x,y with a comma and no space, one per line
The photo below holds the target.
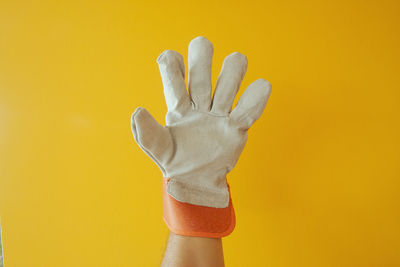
317,185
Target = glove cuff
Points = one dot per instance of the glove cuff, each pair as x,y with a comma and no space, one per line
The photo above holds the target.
193,220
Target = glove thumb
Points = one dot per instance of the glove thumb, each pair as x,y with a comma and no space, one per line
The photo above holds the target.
154,139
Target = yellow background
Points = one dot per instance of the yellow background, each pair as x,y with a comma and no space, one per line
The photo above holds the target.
317,184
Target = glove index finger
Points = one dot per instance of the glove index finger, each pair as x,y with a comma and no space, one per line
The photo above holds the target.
172,69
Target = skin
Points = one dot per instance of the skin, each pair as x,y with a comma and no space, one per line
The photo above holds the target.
187,251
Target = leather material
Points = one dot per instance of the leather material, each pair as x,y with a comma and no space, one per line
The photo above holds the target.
203,137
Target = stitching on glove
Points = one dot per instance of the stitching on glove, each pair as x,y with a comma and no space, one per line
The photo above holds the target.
196,186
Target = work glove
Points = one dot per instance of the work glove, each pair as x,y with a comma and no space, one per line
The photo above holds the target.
202,138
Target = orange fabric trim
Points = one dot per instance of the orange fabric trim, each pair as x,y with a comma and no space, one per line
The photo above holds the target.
193,220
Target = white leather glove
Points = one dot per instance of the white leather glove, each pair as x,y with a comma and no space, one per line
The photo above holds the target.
202,139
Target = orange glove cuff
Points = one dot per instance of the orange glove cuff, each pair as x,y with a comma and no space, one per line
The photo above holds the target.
192,220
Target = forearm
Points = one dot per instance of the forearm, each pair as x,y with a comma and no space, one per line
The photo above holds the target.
182,251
